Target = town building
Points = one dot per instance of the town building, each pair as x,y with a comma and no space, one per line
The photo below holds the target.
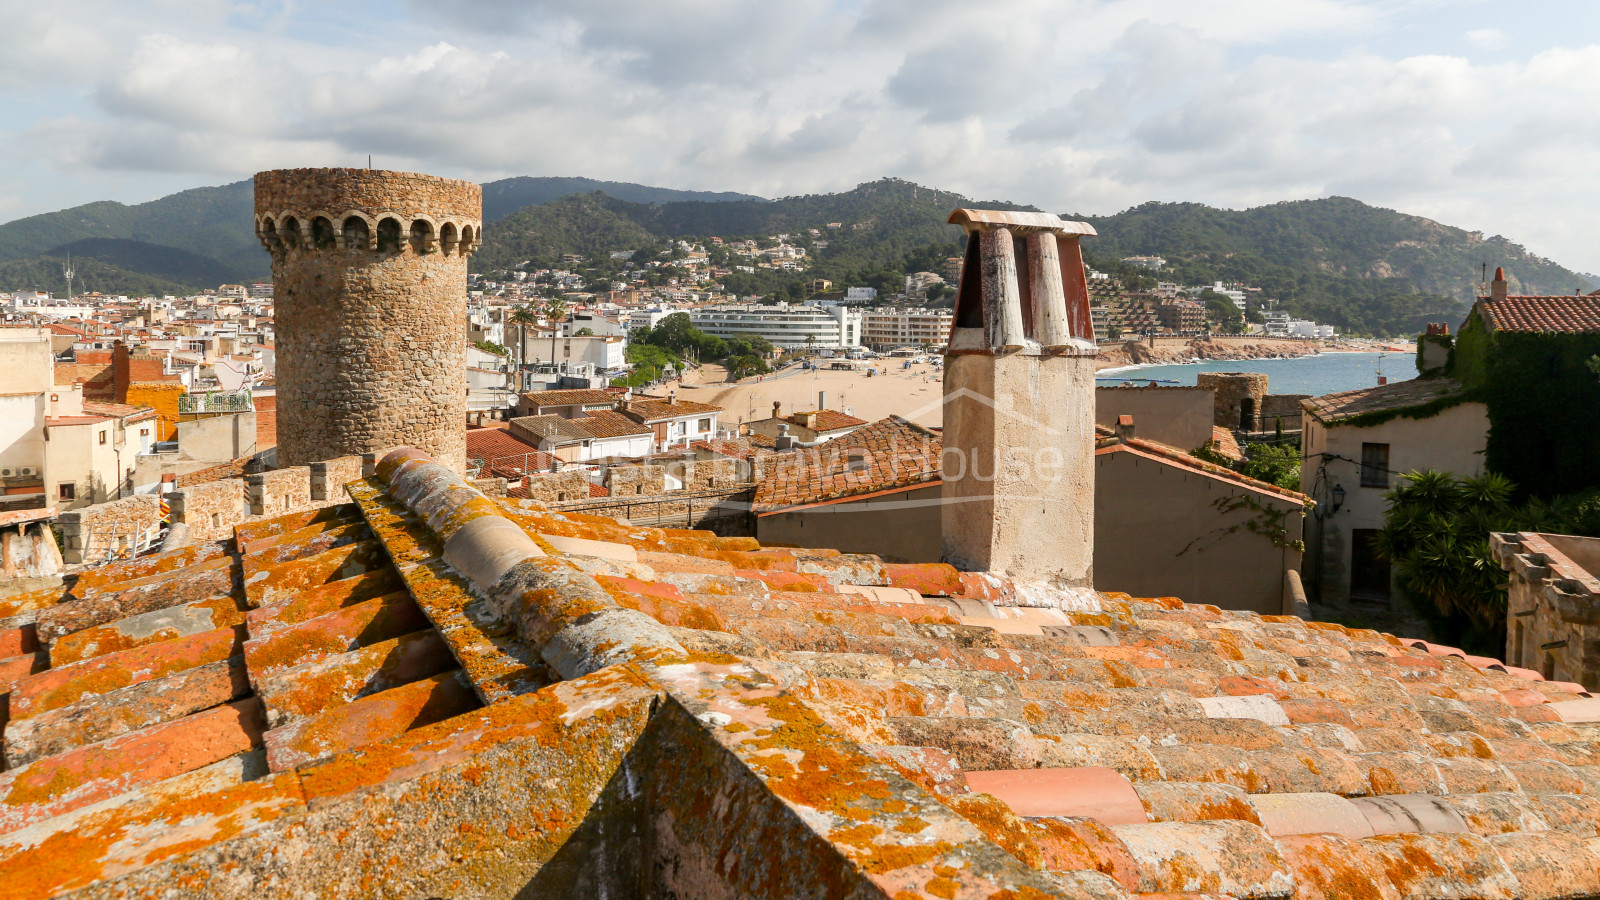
819,425
889,328
1355,447
787,326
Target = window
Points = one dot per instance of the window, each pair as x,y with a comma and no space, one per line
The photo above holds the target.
704,425
144,432
1374,465
67,491
102,437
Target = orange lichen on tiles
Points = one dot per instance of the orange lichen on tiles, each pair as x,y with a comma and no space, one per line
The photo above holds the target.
68,684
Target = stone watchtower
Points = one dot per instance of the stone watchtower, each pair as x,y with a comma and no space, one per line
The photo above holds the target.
1018,461
1238,398
369,273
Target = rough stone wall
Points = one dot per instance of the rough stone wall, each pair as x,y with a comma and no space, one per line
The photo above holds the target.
87,533
371,322
630,481
210,510
1552,609
329,477
1231,390
278,492
703,474
555,487
1284,408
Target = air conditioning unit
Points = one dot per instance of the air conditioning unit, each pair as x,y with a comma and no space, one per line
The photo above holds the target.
7,473
29,470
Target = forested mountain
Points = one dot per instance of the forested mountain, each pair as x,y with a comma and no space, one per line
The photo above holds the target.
506,196
1336,260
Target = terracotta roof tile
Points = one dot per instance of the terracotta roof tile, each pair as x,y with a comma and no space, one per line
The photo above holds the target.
1334,408
894,452
502,452
568,397
852,707
1559,314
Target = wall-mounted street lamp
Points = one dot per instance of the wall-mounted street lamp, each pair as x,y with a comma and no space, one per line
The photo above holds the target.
1335,498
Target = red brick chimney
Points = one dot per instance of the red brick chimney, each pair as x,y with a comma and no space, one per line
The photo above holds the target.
121,372
1497,287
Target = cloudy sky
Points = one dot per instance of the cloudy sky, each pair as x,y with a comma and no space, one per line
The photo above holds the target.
1479,114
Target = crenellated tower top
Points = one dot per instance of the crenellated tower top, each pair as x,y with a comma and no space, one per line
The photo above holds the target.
388,213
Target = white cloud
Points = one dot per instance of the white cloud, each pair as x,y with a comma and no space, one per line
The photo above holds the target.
1078,105
1488,38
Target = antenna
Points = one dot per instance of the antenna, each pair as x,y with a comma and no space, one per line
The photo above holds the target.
369,161
66,269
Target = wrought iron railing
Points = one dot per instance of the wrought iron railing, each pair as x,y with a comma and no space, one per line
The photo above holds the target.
216,402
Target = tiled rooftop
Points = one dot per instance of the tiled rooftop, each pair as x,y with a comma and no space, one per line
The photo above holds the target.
653,410
1559,314
609,424
552,427
505,455
431,693
893,452
568,397
1331,408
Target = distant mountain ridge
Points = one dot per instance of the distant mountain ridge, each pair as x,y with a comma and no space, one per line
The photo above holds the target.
1335,259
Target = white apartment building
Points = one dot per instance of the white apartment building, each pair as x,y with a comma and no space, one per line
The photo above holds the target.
647,318
885,329
788,327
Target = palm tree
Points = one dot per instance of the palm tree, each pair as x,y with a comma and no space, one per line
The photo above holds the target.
554,309
522,317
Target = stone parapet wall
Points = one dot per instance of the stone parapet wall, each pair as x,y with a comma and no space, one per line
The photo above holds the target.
626,481
279,492
1552,608
89,533
329,477
210,510
557,487
705,474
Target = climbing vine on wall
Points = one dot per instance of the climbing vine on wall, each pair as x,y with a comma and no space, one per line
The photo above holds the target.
1270,522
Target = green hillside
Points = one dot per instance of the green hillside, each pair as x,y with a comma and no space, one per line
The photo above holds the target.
506,196
1337,260
43,273
212,222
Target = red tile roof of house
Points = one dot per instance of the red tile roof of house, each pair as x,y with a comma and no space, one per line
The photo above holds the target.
1558,314
328,702
1173,456
119,410
610,424
826,420
568,397
501,451
659,410
1337,407
893,452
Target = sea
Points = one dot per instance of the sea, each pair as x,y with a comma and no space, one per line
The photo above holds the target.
1325,373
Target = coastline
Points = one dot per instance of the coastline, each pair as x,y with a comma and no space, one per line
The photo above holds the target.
1183,351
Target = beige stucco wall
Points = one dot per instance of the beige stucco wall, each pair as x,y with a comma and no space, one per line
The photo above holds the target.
218,438
900,527
1158,532
1177,416
1452,441
26,373
74,454
1017,466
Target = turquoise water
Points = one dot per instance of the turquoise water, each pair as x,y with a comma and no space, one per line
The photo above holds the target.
1315,375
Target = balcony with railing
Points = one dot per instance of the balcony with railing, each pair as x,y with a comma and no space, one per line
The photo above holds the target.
216,402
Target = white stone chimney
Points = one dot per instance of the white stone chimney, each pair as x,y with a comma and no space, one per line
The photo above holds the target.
1018,461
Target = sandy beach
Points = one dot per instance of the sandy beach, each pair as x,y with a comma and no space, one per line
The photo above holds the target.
914,393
